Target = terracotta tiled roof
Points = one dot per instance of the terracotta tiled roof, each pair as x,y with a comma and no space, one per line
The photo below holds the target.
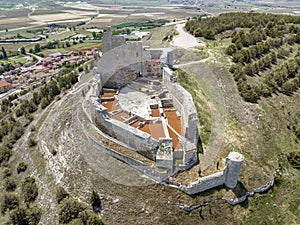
4,83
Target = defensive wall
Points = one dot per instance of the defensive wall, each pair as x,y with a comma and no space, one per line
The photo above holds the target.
228,176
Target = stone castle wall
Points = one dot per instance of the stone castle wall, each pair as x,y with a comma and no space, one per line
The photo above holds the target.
183,102
229,176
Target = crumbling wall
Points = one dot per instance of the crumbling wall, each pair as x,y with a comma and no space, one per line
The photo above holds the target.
110,41
204,183
122,77
164,156
229,176
129,55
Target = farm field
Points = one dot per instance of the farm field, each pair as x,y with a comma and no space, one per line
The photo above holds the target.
242,70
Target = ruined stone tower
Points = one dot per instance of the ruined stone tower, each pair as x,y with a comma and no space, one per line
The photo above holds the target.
234,162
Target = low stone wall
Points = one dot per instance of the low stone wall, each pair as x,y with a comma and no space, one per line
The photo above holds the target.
229,176
204,183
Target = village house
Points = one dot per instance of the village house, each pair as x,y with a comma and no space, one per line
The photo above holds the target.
4,86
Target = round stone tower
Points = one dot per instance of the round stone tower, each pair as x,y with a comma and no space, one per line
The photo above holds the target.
234,162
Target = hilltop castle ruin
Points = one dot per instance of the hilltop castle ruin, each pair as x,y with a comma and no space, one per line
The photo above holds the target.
138,103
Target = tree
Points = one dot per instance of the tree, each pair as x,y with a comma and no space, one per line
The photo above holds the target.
4,54
22,50
288,87
95,201
37,48
68,210
44,102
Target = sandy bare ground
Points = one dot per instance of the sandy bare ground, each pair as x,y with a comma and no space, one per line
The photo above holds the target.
148,14
84,6
112,15
55,17
81,13
21,20
184,39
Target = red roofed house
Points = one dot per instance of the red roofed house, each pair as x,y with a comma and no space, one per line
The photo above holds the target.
4,86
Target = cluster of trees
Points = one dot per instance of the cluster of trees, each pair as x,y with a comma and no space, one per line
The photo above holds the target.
97,35
254,52
145,25
211,26
285,78
47,93
6,55
5,67
53,45
267,40
11,202
19,205
71,211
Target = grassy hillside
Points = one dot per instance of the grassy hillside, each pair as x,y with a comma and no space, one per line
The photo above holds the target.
264,68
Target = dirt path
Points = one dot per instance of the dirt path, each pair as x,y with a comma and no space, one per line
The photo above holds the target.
185,39
211,58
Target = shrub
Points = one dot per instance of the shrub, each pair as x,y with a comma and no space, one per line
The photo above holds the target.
9,184
9,202
94,220
25,216
5,154
29,189
44,102
61,194
76,222
89,218
6,172
21,167
32,142
80,69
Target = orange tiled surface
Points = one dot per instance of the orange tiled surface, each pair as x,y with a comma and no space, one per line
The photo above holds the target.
110,105
173,121
108,95
155,112
121,116
155,130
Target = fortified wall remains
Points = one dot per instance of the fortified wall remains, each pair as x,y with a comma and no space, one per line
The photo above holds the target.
138,102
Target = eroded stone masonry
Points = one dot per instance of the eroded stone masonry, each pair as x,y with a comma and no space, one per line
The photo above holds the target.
138,102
